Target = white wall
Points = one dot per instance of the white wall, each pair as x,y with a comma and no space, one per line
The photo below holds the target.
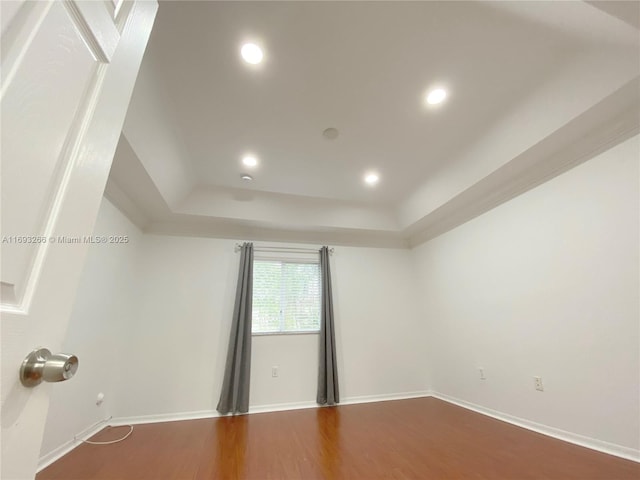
545,285
105,306
379,335
179,340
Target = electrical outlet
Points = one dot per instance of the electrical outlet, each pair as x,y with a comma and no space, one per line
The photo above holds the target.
274,371
482,376
538,383
100,399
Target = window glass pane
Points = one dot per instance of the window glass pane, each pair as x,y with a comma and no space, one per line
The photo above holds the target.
301,303
266,296
286,296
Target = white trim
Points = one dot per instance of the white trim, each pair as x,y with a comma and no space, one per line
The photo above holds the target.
62,450
276,407
164,417
385,397
576,439
281,407
100,37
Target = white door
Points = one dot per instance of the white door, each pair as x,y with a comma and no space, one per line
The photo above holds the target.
68,70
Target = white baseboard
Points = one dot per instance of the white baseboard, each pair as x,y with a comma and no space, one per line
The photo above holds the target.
276,407
62,450
164,417
384,397
280,407
581,440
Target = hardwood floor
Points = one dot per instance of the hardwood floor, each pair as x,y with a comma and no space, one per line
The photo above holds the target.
422,438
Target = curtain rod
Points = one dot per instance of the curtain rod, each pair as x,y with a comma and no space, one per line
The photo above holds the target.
267,248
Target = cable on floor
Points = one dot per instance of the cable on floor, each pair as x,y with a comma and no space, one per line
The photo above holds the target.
112,441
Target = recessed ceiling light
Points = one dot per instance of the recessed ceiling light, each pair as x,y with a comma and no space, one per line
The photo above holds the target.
436,96
371,178
249,161
246,178
251,53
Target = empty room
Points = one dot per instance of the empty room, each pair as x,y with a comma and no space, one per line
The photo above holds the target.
320,240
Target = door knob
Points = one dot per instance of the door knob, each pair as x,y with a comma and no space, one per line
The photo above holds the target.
41,365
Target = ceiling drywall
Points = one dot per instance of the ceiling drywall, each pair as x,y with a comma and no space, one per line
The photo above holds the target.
533,89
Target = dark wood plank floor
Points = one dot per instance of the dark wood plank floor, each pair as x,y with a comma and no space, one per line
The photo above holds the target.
422,438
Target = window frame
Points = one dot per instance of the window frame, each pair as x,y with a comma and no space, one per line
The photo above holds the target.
288,259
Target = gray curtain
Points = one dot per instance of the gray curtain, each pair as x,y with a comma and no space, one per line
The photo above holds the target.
328,393
234,397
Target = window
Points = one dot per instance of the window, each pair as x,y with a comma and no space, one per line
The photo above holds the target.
286,296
